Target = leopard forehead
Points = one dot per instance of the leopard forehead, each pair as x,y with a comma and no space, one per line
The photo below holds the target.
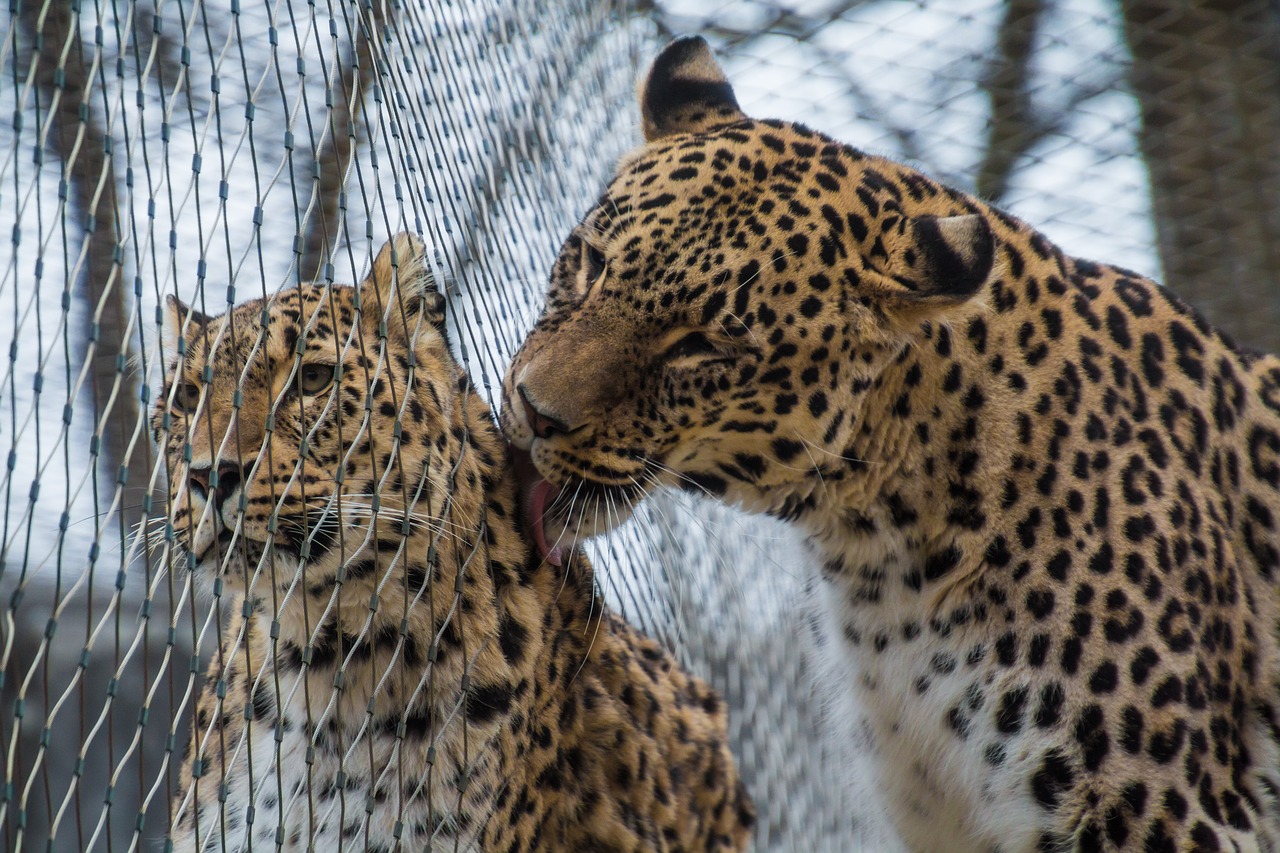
752,189
302,320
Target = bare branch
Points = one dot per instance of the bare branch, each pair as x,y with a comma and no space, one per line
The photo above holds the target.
83,147
1008,84
337,150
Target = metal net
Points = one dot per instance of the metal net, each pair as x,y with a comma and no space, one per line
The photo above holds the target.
222,152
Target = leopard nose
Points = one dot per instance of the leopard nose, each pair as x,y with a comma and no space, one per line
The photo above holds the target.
215,485
543,425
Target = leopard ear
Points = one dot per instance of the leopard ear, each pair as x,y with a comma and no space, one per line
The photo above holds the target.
400,286
938,261
686,92
178,319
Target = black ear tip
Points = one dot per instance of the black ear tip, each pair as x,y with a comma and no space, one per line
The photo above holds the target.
181,312
987,247
960,249
435,308
680,56
689,43
678,53
686,90
982,245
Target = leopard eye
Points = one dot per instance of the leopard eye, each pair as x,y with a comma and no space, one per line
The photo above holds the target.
186,397
692,345
596,263
314,378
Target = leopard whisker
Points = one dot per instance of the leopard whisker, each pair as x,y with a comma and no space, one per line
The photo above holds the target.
665,532
419,520
594,636
565,574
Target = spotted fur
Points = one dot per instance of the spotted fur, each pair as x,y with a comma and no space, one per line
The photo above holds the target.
399,671
1039,493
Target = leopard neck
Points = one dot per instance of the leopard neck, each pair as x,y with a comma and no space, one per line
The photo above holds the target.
952,410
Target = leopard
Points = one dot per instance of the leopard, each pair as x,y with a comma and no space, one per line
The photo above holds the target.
1037,496
398,668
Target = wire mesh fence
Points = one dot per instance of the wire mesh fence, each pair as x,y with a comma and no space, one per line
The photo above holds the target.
226,152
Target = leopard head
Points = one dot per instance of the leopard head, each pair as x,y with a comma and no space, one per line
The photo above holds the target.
716,319
282,419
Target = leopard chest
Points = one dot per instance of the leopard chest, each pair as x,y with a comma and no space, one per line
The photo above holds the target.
917,703
277,782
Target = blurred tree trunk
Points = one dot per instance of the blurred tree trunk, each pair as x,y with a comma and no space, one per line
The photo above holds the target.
1207,76
84,150
65,87
334,156
1012,130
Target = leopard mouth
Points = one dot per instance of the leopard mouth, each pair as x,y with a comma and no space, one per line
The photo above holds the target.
542,496
561,516
537,495
227,541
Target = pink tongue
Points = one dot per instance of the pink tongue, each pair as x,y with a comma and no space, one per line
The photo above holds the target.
541,495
